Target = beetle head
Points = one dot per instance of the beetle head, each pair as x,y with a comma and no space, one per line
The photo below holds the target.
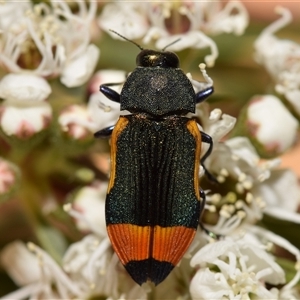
152,58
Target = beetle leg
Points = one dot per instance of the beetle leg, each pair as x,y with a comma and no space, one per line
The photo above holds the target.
105,132
110,93
202,95
207,139
203,197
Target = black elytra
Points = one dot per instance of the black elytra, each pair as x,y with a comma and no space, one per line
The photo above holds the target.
154,200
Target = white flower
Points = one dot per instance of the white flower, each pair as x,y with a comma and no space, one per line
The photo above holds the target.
38,274
281,58
89,266
24,121
55,39
89,263
238,170
96,270
234,270
168,21
271,124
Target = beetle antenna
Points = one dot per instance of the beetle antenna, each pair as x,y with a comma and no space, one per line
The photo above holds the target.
164,48
126,39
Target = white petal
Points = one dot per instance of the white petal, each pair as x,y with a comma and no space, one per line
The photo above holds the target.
242,148
274,190
260,260
204,285
233,18
279,213
210,252
21,265
24,87
220,128
79,70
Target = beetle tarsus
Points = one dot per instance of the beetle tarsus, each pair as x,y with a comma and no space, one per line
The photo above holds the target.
204,94
210,233
105,132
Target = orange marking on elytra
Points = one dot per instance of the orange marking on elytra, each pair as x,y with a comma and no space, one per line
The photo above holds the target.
121,124
193,129
170,243
132,242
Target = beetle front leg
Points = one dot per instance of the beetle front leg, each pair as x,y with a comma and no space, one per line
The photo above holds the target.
204,94
110,93
105,132
207,139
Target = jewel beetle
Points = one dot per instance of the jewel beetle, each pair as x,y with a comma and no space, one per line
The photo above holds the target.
154,200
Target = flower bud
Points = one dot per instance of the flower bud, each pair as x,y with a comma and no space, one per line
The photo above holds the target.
8,177
75,121
89,202
24,88
24,121
270,125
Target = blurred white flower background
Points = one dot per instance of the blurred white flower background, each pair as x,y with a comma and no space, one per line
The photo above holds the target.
54,55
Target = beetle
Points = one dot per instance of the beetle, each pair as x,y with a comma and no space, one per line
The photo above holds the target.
154,200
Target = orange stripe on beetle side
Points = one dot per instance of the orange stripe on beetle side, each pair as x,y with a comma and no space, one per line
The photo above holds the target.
120,126
134,243
194,130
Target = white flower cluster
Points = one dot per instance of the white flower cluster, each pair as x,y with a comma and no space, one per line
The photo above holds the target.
281,58
239,264
89,267
38,42
169,21
266,113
